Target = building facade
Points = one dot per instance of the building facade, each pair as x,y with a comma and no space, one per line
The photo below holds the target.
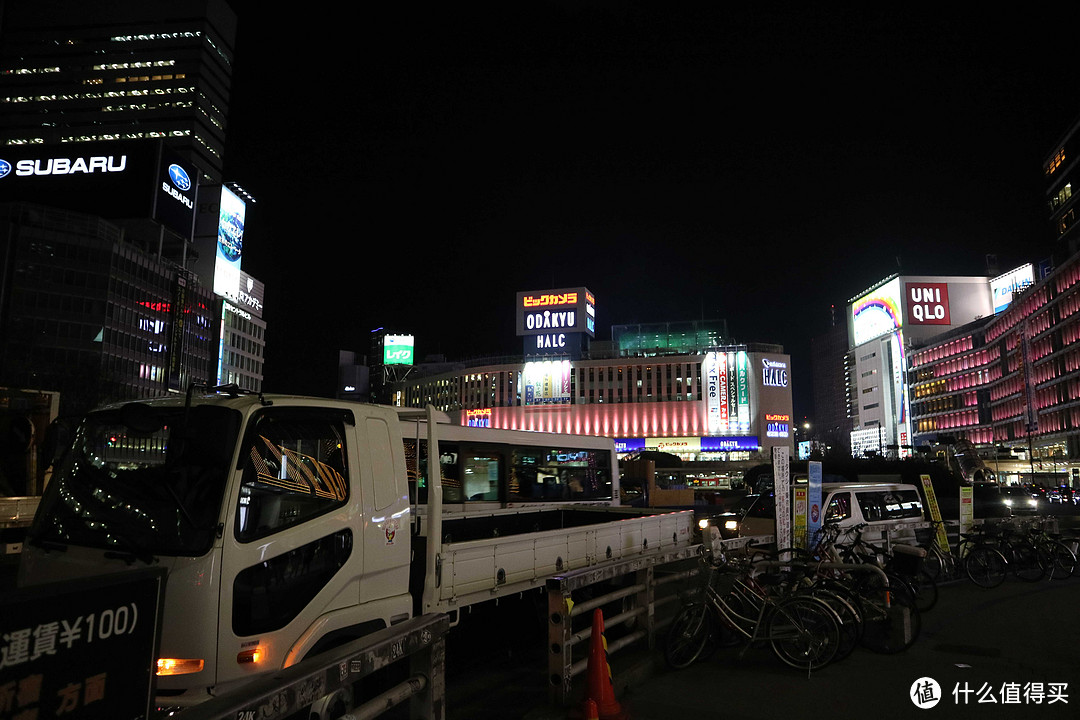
96,316
731,402
883,323
1011,380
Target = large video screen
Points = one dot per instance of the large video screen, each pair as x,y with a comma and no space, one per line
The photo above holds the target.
877,313
1014,281
230,244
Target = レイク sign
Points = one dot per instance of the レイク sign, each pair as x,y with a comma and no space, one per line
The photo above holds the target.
927,303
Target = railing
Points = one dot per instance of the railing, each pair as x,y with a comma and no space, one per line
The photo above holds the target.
327,679
17,511
641,595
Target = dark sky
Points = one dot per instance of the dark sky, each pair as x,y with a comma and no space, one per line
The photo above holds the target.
415,168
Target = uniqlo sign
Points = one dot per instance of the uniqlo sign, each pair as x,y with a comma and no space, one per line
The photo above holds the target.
927,304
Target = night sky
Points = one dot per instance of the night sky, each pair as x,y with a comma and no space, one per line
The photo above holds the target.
416,168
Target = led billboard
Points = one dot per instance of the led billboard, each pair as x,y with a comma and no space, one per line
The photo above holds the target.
546,382
550,312
230,243
1003,286
398,350
129,179
877,313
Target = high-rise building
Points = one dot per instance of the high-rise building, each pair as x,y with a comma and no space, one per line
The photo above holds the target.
829,369
73,72
1061,167
112,138
94,315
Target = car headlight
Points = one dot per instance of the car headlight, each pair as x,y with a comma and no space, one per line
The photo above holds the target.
703,523
731,525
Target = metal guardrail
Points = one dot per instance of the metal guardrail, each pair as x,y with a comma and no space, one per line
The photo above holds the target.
18,511
420,641
562,639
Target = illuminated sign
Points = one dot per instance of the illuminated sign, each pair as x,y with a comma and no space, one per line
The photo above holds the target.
742,363
478,418
876,313
774,373
546,382
689,445
712,392
1014,281
68,166
230,243
927,303
398,350
571,310
730,444
777,430
548,299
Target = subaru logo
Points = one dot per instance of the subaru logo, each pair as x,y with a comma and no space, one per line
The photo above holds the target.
5,168
179,177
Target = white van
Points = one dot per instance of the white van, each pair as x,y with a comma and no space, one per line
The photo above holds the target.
882,506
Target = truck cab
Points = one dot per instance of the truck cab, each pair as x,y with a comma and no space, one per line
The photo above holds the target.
283,524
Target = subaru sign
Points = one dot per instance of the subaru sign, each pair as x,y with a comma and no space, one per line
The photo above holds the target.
179,177
175,199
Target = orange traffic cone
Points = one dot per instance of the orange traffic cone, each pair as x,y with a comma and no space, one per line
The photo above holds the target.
601,687
590,712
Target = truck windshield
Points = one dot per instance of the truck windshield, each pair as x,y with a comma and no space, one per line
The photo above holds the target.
140,481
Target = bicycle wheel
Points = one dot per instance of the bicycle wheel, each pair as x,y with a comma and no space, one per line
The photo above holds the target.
804,632
688,635
985,566
847,614
926,591
1025,563
890,629
932,563
1061,562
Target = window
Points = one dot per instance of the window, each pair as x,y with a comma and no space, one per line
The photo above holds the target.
890,505
481,477
294,470
268,595
839,507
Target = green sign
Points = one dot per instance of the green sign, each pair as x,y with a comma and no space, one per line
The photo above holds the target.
398,350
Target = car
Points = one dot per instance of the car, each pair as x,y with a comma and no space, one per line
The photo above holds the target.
1019,500
879,505
729,521
1061,494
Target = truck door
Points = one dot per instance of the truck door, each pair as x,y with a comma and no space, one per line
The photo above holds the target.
290,552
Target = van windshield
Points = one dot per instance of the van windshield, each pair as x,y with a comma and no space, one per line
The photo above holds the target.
141,480
890,504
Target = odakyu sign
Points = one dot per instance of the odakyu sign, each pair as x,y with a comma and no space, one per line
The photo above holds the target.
553,312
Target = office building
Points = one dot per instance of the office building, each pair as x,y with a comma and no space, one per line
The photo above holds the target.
77,72
94,314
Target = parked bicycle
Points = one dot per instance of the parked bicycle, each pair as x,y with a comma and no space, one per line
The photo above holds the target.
802,630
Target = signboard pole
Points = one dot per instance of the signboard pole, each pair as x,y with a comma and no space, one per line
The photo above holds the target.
782,494
935,513
813,499
967,510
